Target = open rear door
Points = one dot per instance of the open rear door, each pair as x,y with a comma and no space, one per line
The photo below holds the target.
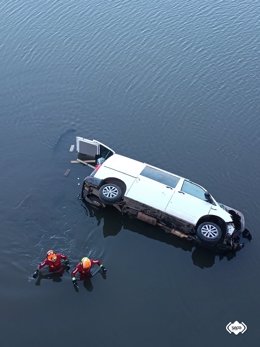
104,151
90,151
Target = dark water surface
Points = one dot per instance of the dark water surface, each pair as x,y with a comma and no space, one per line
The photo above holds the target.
172,83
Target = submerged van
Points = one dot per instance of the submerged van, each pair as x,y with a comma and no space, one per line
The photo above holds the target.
158,197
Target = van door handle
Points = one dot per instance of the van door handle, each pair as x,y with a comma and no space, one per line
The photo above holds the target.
181,192
169,187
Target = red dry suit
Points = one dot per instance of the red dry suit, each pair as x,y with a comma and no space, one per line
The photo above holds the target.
84,273
53,266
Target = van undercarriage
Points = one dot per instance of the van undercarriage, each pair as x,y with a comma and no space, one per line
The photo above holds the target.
169,224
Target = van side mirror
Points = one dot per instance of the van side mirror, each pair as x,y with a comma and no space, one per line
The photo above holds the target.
208,197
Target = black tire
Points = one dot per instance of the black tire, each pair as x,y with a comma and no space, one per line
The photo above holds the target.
110,193
209,232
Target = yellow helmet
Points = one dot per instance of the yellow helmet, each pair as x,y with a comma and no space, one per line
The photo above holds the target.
86,263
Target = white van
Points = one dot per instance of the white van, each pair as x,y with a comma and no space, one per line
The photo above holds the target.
174,203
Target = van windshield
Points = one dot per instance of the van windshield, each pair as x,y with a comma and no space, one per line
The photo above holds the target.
160,176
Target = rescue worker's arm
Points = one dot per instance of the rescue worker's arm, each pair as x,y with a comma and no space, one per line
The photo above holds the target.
64,257
98,262
41,265
73,275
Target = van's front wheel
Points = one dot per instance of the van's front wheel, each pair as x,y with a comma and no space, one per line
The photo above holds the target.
110,193
209,232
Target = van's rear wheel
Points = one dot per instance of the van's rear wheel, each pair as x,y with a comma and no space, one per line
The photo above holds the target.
110,193
209,232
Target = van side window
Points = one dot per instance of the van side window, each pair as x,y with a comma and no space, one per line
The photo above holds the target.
160,176
193,189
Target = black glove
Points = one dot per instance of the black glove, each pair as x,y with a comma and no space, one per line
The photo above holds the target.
74,281
35,274
102,267
66,262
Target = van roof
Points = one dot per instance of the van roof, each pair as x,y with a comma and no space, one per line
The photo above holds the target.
124,164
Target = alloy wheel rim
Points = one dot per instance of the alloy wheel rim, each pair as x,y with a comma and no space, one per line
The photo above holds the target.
209,231
110,192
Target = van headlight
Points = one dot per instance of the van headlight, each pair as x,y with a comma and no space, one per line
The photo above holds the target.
230,228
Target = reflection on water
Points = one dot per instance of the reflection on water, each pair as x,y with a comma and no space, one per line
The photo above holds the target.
113,222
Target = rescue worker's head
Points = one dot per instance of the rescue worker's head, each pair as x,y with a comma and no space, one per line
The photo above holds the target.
86,263
51,256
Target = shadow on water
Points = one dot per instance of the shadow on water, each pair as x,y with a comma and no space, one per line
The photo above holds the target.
87,282
45,275
114,222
